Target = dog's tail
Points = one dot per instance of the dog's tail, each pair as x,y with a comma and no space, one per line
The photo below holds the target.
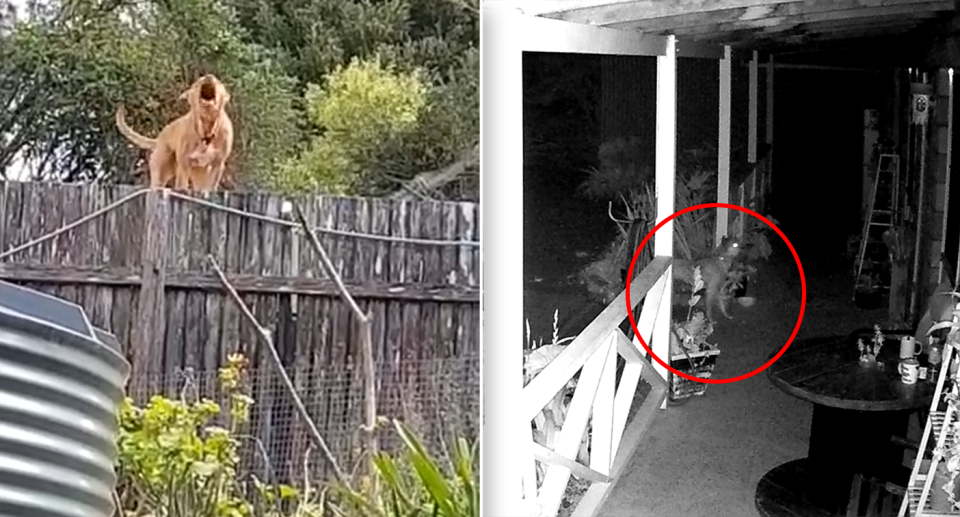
137,139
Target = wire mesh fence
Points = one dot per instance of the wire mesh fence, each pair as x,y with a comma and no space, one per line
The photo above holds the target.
438,398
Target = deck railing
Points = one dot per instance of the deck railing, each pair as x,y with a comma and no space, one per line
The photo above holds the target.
598,399
600,403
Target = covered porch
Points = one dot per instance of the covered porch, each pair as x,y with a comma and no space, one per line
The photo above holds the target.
648,458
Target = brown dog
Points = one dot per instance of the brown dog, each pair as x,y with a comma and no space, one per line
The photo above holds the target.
193,149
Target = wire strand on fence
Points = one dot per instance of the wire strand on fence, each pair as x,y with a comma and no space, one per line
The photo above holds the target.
296,227
63,229
260,217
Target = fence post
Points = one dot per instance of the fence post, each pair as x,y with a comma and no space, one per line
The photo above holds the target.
151,313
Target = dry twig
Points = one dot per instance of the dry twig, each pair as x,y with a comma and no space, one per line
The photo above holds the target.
366,339
266,340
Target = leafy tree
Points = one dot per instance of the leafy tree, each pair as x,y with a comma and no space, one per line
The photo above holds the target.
66,67
360,107
436,39
67,64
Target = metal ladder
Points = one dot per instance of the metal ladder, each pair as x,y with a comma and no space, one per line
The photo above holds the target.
939,427
882,213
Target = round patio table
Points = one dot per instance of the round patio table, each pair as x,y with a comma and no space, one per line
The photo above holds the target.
856,411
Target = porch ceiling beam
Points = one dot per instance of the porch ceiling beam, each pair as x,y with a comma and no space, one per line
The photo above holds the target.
721,36
846,23
835,40
691,48
888,31
786,14
761,40
661,15
882,43
758,39
547,35
876,53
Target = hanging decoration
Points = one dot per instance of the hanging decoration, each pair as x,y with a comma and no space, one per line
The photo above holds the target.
921,108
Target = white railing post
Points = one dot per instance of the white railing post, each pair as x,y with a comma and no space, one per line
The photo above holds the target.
752,112
769,158
506,434
666,165
723,147
946,187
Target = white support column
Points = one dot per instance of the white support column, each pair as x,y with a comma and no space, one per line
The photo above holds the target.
502,269
770,72
946,187
666,166
752,112
723,147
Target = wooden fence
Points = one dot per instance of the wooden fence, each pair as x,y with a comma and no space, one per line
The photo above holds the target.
140,271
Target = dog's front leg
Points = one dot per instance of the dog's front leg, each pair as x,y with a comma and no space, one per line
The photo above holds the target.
215,175
158,165
181,179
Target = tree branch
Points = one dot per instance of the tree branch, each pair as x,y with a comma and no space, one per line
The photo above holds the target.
430,180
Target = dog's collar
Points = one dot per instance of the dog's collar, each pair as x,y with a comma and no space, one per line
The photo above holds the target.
206,139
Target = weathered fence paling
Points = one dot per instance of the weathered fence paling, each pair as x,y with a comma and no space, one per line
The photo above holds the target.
152,301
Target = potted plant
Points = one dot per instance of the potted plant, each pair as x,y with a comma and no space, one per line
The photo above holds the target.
869,353
690,352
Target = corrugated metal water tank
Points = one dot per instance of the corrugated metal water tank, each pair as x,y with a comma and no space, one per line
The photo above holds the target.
61,384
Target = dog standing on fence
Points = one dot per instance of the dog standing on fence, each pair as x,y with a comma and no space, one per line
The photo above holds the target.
193,149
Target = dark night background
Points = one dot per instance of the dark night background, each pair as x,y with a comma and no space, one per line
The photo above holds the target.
817,166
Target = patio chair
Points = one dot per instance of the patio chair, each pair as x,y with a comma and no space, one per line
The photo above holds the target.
873,497
876,494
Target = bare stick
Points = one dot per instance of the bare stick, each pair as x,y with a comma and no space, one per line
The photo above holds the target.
268,342
366,338
328,265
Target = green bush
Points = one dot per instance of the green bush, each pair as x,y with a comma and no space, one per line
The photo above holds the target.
174,461
359,107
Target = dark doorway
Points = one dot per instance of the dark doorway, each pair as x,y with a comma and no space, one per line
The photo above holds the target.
818,157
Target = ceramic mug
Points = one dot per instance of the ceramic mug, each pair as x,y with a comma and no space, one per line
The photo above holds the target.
909,347
909,370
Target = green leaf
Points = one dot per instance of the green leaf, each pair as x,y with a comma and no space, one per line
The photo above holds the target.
431,477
